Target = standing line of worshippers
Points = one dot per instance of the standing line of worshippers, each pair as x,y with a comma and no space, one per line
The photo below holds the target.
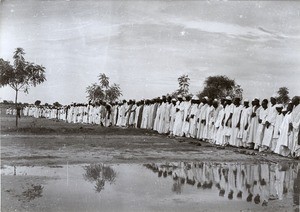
258,183
261,125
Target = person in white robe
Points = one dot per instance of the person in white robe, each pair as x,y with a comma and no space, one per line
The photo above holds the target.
269,125
278,122
216,110
245,124
162,118
152,113
263,112
123,110
167,116
295,125
208,129
202,118
119,116
229,109
193,117
253,122
157,114
236,124
132,114
284,142
146,113
219,125
177,129
186,112
172,115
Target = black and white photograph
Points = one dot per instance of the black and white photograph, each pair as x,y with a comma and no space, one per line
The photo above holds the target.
149,105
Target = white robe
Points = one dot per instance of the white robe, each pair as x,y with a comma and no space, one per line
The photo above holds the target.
234,140
268,134
167,116
202,116
186,112
296,125
283,144
193,121
145,116
245,120
261,127
177,129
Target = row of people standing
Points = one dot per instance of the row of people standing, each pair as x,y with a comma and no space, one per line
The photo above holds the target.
265,126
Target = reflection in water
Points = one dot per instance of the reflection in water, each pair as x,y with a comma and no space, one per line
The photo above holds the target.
99,173
257,183
31,193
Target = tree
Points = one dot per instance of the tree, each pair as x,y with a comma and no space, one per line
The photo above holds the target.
184,84
21,75
217,87
57,104
37,103
283,95
103,91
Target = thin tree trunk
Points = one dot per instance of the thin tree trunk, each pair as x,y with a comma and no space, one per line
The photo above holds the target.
16,103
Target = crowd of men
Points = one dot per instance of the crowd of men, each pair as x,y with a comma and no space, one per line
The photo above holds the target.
262,125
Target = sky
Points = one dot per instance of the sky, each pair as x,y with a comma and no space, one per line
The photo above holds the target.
144,46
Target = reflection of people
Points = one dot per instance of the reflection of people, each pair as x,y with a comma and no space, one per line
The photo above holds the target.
257,182
296,195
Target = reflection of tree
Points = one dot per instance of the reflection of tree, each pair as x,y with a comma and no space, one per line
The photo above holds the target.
99,173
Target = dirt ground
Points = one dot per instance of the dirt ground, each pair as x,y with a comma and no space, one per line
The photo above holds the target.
48,143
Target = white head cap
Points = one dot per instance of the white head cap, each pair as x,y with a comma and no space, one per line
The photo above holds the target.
228,98
195,97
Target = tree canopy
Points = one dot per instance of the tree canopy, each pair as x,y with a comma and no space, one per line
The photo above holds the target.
283,95
183,84
103,91
220,86
21,75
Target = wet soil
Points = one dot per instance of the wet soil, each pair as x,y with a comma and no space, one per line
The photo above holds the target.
42,142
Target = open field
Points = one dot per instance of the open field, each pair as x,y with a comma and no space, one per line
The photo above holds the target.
48,143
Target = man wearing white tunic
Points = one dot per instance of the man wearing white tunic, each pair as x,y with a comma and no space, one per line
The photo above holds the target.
229,109
218,116
123,110
132,114
161,122
202,118
119,117
237,110
177,129
285,139
245,123
253,122
146,112
295,125
278,121
193,117
172,115
186,112
208,120
262,117
167,116
157,114
269,125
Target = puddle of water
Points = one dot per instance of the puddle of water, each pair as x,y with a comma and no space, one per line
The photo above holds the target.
170,186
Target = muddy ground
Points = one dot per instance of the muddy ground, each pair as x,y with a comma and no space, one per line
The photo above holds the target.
42,142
